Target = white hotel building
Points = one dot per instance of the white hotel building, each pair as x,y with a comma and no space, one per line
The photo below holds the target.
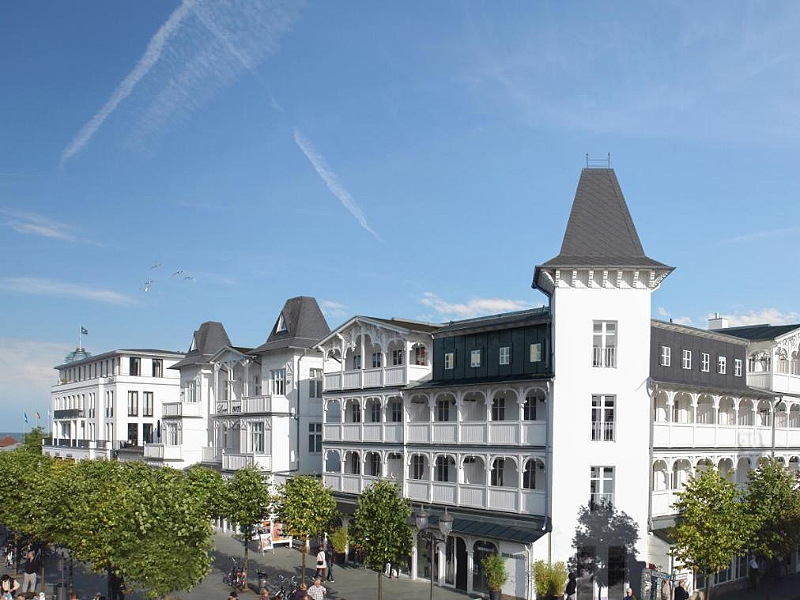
517,422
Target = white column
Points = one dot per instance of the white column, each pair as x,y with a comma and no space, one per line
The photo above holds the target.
414,555
470,565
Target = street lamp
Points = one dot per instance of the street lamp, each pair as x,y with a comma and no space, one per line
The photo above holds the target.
445,527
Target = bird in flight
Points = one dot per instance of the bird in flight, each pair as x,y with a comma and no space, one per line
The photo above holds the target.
147,285
176,273
157,266
188,277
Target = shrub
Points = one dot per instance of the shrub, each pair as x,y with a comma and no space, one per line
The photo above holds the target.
339,540
550,580
495,568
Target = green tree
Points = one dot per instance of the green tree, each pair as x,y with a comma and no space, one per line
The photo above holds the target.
306,508
247,502
381,527
208,488
32,440
772,501
712,524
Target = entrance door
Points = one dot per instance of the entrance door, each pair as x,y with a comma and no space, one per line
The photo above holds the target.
461,565
480,551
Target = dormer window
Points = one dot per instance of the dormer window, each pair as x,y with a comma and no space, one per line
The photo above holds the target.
281,325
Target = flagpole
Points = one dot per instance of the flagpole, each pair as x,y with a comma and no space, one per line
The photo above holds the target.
80,338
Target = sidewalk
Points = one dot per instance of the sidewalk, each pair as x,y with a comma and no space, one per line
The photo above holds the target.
786,588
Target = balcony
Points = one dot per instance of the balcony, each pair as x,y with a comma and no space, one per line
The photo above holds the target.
211,454
783,379
372,378
76,449
162,452
182,409
529,433
264,404
604,357
68,413
682,435
233,461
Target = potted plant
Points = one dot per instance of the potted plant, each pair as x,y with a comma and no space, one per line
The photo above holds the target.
550,580
339,542
495,569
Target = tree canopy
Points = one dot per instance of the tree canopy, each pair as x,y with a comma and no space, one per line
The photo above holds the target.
247,502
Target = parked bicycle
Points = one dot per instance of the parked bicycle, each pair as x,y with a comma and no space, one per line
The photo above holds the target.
236,578
283,593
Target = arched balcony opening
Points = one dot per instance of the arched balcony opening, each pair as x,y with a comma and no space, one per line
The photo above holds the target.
396,353
747,413
781,416
445,469
660,407
372,464
758,362
794,464
473,407
764,414
333,412
660,476
418,467
795,363
474,470
727,412
394,410
418,355
333,462
374,358
681,469
725,468
352,410
782,361
373,410
418,410
352,463
504,473
743,467
682,411
504,406
533,477
794,416
394,466
705,410
703,465
534,407
445,408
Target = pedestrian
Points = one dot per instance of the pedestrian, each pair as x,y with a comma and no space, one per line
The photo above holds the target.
9,555
680,591
316,591
301,591
329,560
629,595
753,572
571,591
666,590
117,586
231,596
8,585
263,594
32,564
321,565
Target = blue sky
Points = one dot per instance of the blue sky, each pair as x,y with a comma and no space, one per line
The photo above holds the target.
414,160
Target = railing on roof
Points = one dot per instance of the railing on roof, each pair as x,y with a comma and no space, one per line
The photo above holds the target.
598,163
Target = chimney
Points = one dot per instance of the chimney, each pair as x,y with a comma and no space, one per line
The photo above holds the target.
717,323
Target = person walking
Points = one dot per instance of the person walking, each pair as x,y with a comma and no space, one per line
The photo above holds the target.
571,591
629,595
329,560
680,591
32,564
321,564
316,591
753,572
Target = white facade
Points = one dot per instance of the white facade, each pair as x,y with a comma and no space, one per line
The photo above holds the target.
109,402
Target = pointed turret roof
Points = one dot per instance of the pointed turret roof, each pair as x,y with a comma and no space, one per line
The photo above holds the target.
600,231
209,337
300,324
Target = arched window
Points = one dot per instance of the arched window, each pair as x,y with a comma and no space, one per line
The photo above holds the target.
530,480
445,468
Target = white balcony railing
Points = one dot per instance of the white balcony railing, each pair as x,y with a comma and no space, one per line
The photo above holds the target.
233,461
211,454
264,404
682,435
370,378
604,356
162,452
182,409
530,433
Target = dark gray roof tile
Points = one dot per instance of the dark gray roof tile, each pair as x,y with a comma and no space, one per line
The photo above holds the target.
304,322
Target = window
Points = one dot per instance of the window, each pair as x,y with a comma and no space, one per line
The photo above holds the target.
397,358
356,361
279,382
442,468
529,475
686,359
420,356
315,383
315,438
417,466
135,365
603,418
375,412
147,433
281,326
147,404
133,404
449,360
133,434
665,356
601,486
376,360
396,411
604,344
721,365
529,409
505,355
374,463
356,412
536,353
173,434
498,468
158,367
737,367
443,410
499,409
257,437
705,365
475,358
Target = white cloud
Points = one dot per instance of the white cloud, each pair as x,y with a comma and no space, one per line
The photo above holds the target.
663,312
682,320
333,309
332,180
35,224
473,307
49,287
770,316
203,46
26,370
760,235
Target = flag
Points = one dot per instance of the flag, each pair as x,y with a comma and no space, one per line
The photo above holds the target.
38,416
84,331
25,416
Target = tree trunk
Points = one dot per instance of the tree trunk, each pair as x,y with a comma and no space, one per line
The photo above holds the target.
303,572
708,587
247,537
380,586
110,593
